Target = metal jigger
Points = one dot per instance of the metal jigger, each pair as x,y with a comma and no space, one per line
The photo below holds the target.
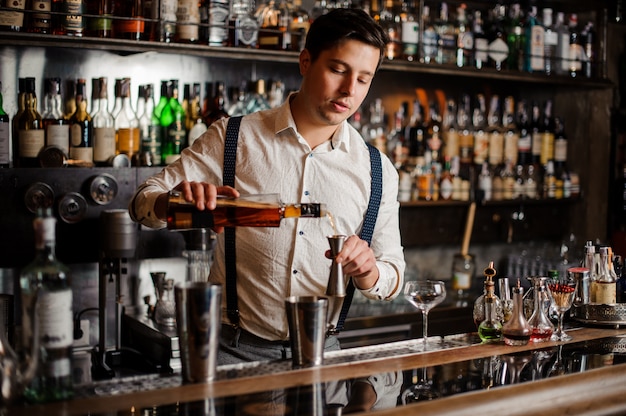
336,283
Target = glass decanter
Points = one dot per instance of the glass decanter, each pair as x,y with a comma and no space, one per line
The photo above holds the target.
541,326
478,313
517,330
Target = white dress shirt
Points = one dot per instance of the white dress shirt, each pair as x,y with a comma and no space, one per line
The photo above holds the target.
275,263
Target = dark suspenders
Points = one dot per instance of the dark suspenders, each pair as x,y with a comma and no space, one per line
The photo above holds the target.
230,156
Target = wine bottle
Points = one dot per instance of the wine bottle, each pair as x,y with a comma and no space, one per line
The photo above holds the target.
148,127
56,127
126,122
187,21
131,24
40,18
104,147
100,24
12,20
31,135
72,21
246,211
81,127
172,122
45,290
5,140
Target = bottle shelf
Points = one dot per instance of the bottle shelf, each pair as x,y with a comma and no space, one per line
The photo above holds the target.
127,47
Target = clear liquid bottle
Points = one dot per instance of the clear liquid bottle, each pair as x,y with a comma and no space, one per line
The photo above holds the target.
104,146
478,313
55,125
247,211
45,283
126,122
517,330
490,328
31,135
604,288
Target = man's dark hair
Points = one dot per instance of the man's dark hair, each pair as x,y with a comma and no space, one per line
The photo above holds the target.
339,25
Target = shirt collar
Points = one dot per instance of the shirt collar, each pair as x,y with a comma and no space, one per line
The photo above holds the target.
285,122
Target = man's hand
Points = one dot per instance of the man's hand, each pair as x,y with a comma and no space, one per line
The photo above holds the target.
357,260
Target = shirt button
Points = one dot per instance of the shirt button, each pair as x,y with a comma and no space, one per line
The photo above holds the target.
310,154
295,272
306,193
301,232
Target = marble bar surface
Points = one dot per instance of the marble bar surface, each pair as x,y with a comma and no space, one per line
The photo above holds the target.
600,389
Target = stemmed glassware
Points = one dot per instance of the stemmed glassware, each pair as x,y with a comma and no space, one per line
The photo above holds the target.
562,293
425,295
421,390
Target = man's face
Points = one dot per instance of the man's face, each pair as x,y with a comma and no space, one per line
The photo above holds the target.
336,84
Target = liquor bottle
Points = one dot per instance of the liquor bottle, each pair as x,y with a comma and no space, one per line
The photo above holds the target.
560,156
604,288
31,135
167,20
588,38
511,133
490,328
446,182
535,128
547,134
434,139
104,146
40,18
145,111
450,132
576,51
187,21
243,27
494,132
131,24
430,38
246,211
524,144
485,183
219,104
535,34
45,290
69,106
257,99
126,123
481,44
517,330
195,124
541,327
391,24
218,22
466,135
479,313
562,50
447,39
464,38
57,131
81,127
498,47
299,23
100,23
72,21
21,107
515,39
550,42
12,20
409,31
479,123
397,149
618,266
172,122
5,136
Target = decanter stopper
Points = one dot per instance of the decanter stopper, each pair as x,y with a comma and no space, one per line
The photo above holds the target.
336,283
517,330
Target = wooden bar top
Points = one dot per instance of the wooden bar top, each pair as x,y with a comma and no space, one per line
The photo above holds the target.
601,390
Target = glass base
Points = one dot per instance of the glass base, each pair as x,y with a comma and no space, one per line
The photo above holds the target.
560,337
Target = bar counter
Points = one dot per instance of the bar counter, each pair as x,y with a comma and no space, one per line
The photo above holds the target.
468,377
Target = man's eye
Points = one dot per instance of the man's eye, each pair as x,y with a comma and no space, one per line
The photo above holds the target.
338,70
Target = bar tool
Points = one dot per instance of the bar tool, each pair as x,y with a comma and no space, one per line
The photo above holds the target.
336,283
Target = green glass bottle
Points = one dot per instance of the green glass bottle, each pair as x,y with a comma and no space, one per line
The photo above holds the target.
172,122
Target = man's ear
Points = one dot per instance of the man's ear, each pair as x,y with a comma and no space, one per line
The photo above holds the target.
305,61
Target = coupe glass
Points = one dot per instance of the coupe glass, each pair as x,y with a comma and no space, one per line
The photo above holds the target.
425,295
562,293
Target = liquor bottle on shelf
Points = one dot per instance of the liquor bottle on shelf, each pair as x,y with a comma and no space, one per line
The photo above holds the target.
172,122
429,38
535,34
588,39
604,288
12,20
72,21
56,127
498,47
524,144
257,99
547,134
562,48
104,146
31,135
40,18
450,132
273,24
195,124
243,27
409,31
479,124
299,23
69,105
464,129
494,131
187,21
167,20
535,128
81,127
218,22
511,132
100,22
21,106
126,123
45,290
550,42
5,135
485,183
576,51
148,128
391,24
515,39
219,104
517,330
246,211
130,24
447,39
465,38
560,156
481,44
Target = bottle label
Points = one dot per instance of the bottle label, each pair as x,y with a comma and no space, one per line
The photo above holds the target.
603,293
536,48
73,22
57,368
82,153
410,34
547,147
218,23
41,20
560,150
55,319
31,142
511,140
481,50
5,143
246,31
103,143
461,281
496,148
128,141
13,18
498,50
481,146
187,19
59,135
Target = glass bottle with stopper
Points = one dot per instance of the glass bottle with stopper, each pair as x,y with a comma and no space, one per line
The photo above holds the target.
517,330
541,327
264,210
479,304
490,329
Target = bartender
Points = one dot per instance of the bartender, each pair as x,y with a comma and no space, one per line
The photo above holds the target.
305,151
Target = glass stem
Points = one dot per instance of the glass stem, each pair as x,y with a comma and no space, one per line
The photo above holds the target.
425,328
559,329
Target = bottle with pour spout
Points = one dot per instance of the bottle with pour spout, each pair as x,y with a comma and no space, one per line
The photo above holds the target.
480,303
263,210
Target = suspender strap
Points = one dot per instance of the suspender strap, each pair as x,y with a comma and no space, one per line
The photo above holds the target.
368,225
230,158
